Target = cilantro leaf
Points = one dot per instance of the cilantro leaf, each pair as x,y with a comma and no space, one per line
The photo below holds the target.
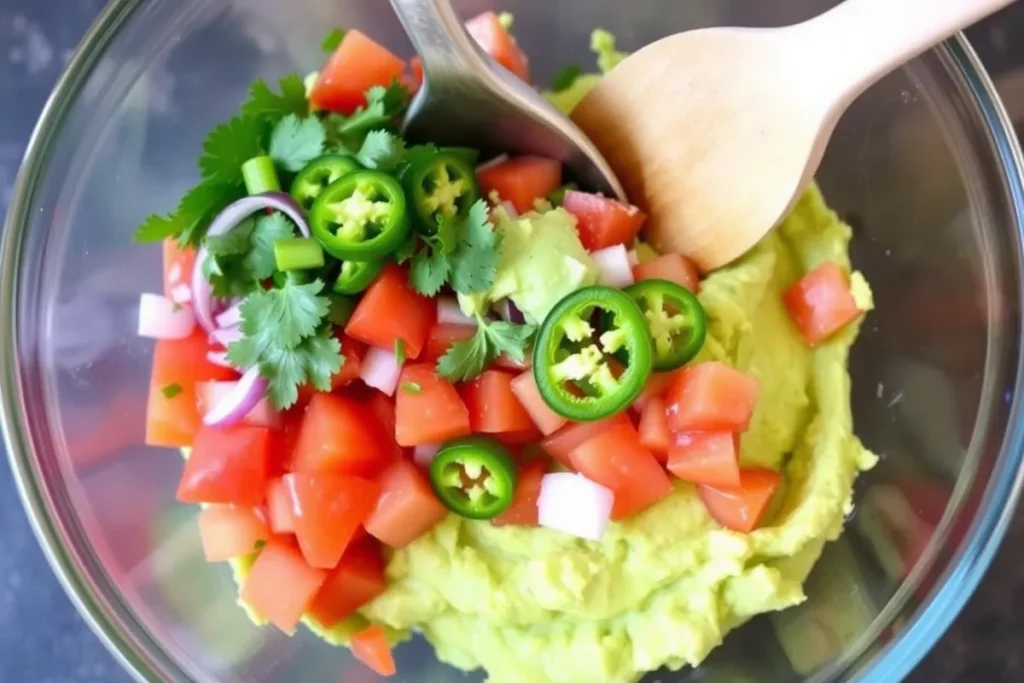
314,360
230,145
566,77
227,276
264,102
269,229
332,40
381,150
475,263
282,318
234,242
406,250
200,206
383,105
157,228
467,359
295,142
429,271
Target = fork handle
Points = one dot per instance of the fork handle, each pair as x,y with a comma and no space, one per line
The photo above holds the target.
438,35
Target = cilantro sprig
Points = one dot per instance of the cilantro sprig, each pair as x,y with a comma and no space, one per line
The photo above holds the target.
464,255
467,359
238,261
384,107
286,336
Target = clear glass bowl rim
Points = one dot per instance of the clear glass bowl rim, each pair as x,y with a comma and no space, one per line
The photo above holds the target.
895,661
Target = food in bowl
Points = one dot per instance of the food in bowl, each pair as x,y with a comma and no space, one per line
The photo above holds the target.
417,392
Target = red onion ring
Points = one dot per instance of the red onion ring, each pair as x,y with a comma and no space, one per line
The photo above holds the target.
227,220
243,397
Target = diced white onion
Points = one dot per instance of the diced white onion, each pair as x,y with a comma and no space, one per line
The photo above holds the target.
380,370
161,318
572,503
449,313
424,454
613,266
634,259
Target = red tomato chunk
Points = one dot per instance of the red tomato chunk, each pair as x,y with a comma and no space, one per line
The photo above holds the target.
227,465
357,64
329,508
280,585
428,409
391,310
407,507
741,508
820,303
521,180
711,397
358,579
706,458
603,222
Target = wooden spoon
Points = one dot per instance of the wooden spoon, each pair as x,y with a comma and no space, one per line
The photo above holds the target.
716,132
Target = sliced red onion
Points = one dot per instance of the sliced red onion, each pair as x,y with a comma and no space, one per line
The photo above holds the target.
500,159
634,259
226,336
227,220
219,358
574,504
613,266
424,454
237,401
181,293
510,312
161,318
449,313
380,370
231,316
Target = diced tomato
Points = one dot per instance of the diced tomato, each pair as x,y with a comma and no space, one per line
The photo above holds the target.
706,458
433,414
653,428
407,507
492,37
352,351
521,180
525,388
329,507
601,221
562,443
227,531
178,266
358,64
383,408
657,385
672,267
493,407
711,397
391,310
442,336
280,585
172,419
820,303
340,434
280,507
227,465
741,508
523,508
358,579
616,459
370,646
530,435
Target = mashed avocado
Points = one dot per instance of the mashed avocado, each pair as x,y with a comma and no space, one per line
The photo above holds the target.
542,260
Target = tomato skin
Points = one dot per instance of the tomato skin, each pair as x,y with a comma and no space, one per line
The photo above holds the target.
370,646
525,388
227,465
280,585
522,511
339,434
741,508
601,221
407,507
492,37
521,180
711,458
357,64
562,443
672,267
711,397
175,421
433,414
654,432
493,407
616,459
442,336
352,351
820,303
391,310
227,531
358,579
280,507
178,265
328,509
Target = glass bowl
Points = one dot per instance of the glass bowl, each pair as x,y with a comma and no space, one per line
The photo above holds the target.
924,166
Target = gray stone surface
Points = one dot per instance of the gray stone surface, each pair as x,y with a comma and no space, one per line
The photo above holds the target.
42,638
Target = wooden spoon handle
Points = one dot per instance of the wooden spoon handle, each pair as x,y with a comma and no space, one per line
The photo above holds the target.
862,40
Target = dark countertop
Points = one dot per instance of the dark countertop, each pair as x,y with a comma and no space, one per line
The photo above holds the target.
42,638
